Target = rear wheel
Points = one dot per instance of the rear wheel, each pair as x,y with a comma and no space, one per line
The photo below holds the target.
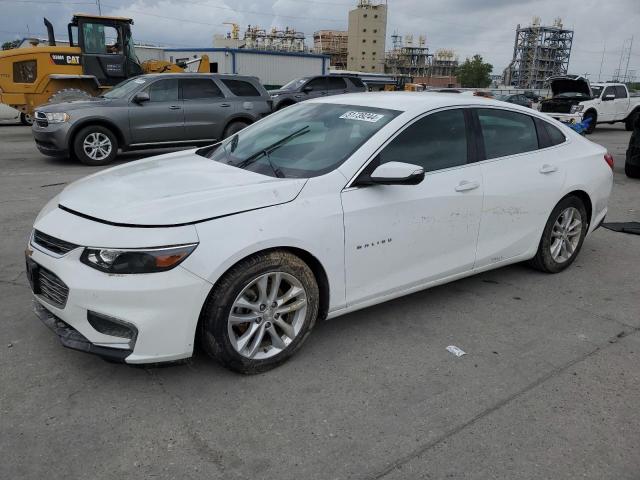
631,171
26,119
629,122
562,237
234,128
260,312
95,145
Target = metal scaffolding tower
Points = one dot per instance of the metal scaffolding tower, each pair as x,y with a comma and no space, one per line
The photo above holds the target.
539,52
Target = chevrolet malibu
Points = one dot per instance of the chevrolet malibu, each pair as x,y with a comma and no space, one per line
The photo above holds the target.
323,208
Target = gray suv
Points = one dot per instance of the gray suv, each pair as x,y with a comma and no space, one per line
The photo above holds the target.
153,110
305,88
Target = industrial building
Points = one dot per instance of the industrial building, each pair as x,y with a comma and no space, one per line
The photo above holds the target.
367,35
333,43
273,68
405,58
539,52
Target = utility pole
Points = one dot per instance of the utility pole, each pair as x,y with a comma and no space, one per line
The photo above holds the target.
99,7
626,70
604,49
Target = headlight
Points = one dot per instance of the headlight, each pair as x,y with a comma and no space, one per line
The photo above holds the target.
57,117
126,261
577,108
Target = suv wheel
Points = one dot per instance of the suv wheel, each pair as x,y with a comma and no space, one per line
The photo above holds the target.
234,128
95,145
260,312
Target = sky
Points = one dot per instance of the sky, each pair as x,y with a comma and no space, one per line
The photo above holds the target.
486,27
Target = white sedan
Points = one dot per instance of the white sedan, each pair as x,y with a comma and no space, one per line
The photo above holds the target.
320,209
8,114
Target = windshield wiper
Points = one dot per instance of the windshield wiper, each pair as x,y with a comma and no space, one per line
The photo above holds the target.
267,151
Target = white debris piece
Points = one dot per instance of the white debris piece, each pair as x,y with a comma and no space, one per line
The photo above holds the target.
458,352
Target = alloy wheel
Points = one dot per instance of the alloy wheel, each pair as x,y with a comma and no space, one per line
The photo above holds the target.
565,234
97,146
267,315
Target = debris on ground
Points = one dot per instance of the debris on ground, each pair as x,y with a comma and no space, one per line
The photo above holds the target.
624,227
458,352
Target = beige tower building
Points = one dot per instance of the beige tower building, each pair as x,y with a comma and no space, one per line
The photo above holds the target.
367,35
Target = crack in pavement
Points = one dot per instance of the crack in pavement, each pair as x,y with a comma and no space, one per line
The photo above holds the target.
397,464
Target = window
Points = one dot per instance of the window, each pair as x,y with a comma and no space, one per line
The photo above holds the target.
193,88
375,16
609,91
213,67
164,90
375,30
241,89
25,72
101,39
507,133
364,29
375,41
364,16
364,40
336,83
318,83
364,53
356,81
556,136
434,142
621,92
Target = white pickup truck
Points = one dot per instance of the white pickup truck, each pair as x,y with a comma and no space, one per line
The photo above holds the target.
574,100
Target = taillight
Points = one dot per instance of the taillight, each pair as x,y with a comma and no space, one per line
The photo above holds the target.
609,159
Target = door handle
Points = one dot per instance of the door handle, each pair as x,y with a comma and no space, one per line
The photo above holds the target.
175,107
465,186
546,168
225,104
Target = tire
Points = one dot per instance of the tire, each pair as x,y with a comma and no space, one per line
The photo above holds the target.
233,128
631,119
284,105
26,119
592,125
105,141
545,261
631,171
230,342
69,95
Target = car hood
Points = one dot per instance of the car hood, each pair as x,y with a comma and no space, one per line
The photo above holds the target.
174,189
570,83
74,105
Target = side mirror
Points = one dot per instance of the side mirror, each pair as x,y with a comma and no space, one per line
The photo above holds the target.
141,97
608,98
397,173
307,89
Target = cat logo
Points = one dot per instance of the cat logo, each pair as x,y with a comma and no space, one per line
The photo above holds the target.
59,59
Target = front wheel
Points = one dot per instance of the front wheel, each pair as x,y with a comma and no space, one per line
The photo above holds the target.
562,237
260,312
95,145
26,119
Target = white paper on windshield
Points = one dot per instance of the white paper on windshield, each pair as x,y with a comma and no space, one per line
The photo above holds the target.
362,116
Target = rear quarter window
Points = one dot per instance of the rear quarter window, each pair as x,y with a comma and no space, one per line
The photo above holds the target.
507,133
357,82
241,88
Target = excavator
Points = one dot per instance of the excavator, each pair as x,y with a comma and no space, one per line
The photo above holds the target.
100,55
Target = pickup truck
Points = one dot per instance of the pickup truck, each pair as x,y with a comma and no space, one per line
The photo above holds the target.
574,100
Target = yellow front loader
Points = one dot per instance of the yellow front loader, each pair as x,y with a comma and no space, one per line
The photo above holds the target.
100,55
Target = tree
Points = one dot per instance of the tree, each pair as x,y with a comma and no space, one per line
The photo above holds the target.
474,73
10,45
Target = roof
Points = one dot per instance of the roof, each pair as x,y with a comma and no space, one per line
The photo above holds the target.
250,50
104,17
416,101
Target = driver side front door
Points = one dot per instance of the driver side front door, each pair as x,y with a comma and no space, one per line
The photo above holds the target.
403,237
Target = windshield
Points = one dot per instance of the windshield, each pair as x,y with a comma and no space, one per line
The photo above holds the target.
596,91
123,89
302,141
294,84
